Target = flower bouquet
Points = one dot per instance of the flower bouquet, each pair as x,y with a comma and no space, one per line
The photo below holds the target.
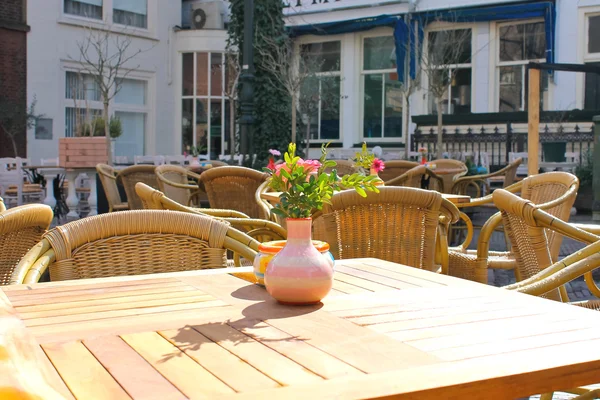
367,161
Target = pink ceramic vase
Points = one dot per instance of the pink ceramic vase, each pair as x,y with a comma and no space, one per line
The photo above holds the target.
373,172
299,273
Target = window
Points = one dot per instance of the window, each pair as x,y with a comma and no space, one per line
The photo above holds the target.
131,12
519,44
382,95
83,105
449,70
130,107
81,87
319,101
592,81
84,8
204,106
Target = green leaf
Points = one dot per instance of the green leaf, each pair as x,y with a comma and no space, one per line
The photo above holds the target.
360,191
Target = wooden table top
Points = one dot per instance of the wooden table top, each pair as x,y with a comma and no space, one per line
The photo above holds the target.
386,329
273,197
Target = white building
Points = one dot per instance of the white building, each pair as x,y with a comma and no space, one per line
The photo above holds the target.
181,76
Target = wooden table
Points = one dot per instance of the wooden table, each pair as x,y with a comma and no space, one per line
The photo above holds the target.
273,197
385,330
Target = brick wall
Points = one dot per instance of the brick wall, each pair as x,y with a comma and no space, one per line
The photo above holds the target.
13,66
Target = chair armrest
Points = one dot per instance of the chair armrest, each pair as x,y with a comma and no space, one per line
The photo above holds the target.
591,228
33,264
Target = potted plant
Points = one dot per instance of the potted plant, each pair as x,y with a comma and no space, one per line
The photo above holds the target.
90,146
584,171
367,161
299,274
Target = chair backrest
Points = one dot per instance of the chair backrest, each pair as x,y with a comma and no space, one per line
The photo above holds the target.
397,224
2,205
177,160
414,177
522,169
171,178
150,160
510,172
343,167
234,188
395,168
141,242
137,173
21,228
49,162
108,179
448,163
217,163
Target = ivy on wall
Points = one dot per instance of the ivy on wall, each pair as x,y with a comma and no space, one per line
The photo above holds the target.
272,126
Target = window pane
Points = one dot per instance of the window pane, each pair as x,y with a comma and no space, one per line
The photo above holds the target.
592,90
535,41
511,86
201,74
330,107
188,74
216,109
327,54
372,106
511,43
132,91
379,53
393,108
130,12
216,71
449,47
84,8
131,142
461,92
202,125
81,87
187,128
594,34
439,84
76,118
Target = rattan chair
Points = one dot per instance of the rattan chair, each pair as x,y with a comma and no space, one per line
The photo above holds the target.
414,177
234,188
21,228
447,163
395,168
397,224
174,181
554,192
108,179
137,173
343,167
133,242
2,205
508,173
259,229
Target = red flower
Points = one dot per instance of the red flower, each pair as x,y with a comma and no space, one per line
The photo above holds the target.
271,164
378,165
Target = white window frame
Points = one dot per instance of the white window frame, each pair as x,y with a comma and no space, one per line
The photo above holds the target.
584,55
361,103
208,97
498,64
436,27
340,74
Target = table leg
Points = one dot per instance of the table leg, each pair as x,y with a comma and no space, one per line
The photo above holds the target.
93,199
50,200
72,200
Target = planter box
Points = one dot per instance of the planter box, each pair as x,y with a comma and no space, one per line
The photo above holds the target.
83,152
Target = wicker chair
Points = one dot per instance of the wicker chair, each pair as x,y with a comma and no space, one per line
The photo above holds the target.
413,178
137,173
108,179
554,192
343,167
396,168
447,163
133,242
2,205
234,188
20,229
397,224
508,175
259,229
174,181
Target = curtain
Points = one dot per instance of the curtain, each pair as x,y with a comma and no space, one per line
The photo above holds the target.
133,6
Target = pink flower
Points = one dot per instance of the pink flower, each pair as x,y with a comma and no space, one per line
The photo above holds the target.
309,165
378,165
275,152
185,153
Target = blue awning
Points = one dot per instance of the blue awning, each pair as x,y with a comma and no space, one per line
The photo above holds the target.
338,27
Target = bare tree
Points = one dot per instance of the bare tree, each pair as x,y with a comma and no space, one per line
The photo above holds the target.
105,55
232,71
15,119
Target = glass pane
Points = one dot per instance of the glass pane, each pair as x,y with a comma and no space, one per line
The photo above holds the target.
231,72
449,47
327,54
84,8
460,96
511,43
202,125
201,74
216,71
131,142
535,41
130,12
511,86
594,34
330,107
379,53
81,87
393,108
187,128
439,84
132,92
188,74
592,90
308,106
372,99
216,110
227,133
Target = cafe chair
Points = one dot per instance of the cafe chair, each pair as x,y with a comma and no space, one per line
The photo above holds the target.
414,177
133,243
506,175
343,167
395,168
129,176
108,179
177,183
459,167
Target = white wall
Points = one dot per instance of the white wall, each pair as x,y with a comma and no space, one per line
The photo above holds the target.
52,46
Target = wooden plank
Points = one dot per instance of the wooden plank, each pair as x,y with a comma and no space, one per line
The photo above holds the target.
83,374
359,282
233,371
533,122
398,275
271,363
187,375
58,287
373,277
139,379
344,287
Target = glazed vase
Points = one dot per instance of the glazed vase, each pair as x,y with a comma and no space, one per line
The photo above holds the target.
299,274
195,162
373,172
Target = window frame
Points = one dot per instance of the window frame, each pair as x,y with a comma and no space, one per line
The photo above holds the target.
320,39
523,63
585,56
